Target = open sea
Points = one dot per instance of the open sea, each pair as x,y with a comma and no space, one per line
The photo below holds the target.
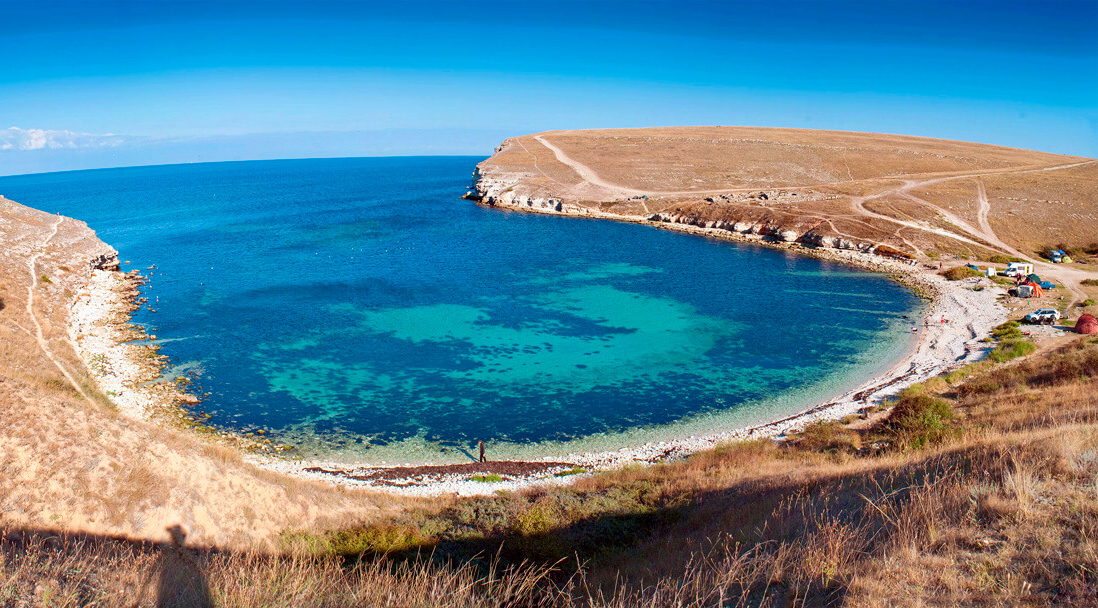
359,310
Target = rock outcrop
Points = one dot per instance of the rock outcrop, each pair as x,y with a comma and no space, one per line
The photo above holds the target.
508,191
105,261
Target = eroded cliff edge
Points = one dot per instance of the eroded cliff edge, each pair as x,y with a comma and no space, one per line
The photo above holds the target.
899,196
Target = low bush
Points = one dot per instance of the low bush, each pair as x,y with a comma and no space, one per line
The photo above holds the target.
1090,282
960,272
1007,331
1088,302
887,251
1011,349
487,478
829,436
920,420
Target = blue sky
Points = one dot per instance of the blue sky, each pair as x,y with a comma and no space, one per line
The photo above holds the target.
93,84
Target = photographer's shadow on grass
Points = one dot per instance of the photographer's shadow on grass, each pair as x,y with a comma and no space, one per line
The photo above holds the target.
180,581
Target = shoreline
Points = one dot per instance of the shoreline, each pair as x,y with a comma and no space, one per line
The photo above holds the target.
125,361
129,372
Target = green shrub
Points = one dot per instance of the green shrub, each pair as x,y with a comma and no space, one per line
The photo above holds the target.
572,471
1091,282
960,272
487,478
827,436
920,420
1007,331
46,279
1088,302
1012,349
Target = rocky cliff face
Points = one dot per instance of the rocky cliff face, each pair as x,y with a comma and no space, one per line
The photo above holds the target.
499,189
795,232
518,190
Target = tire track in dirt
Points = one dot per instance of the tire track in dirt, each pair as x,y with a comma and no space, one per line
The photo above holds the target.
587,173
38,333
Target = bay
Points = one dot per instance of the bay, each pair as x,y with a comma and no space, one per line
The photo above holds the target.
359,309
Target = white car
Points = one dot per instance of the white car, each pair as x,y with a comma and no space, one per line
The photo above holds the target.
1043,315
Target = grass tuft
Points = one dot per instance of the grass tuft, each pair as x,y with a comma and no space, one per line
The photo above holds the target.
577,470
1011,349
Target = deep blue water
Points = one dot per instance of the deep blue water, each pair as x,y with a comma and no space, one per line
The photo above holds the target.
359,305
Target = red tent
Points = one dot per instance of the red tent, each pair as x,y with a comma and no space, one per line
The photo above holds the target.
1087,324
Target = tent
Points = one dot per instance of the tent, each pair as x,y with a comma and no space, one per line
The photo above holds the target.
1034,290
1087,324
1033,278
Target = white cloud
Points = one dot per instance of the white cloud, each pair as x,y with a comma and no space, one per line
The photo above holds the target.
14,138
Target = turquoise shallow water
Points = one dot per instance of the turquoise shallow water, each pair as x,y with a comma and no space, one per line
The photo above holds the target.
357,308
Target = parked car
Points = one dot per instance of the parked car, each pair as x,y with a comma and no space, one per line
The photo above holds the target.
1043,315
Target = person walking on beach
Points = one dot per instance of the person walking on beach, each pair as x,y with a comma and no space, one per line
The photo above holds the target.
480,444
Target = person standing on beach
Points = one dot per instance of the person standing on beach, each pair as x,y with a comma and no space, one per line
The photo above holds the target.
480,444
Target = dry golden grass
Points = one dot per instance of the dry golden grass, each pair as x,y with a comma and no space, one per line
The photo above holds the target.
720,158
1038,210
45,568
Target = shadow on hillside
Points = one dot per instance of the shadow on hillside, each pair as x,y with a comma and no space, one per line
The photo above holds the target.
769,541
809,523
79,562
1,303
